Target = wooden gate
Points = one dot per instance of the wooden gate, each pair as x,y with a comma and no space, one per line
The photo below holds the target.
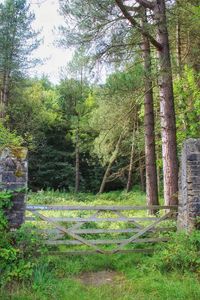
82,227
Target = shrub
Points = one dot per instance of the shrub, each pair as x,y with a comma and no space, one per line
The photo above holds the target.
19,252
17,248
5,197
8,138
181,254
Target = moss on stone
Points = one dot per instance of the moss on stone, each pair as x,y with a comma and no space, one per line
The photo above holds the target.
19,152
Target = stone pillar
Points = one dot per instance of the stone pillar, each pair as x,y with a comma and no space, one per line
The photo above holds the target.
189,186
14,177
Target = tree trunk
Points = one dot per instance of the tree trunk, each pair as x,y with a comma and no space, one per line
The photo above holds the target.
178,41
142,177
130,172
167,111
150,152
112,160
178,45
77,165
2,109
4,95
77,141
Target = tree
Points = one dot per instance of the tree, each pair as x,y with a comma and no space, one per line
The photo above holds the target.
184,16
113,40
115,118
100,24
76,69
37,116
187,97
73,96
17,41
167,111
111,161
150,151
131,164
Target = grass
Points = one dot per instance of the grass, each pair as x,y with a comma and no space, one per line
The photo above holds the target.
118,197
59,281
140,277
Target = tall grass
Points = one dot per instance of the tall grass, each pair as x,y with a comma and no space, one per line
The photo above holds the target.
135,197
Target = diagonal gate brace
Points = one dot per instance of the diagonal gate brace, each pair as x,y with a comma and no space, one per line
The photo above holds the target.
70,233
141,232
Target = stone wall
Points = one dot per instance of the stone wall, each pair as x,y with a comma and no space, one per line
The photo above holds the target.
189,186
14,177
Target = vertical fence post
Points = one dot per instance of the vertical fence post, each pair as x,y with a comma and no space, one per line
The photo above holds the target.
14,177
189,186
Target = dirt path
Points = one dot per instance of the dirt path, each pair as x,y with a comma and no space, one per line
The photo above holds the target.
100,278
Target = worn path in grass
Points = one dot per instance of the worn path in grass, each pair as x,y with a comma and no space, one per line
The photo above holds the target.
100,278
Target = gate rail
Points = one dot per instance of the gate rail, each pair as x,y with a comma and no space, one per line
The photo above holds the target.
139,227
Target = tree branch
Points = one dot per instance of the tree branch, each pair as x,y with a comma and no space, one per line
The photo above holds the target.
146,3
132,8
128,16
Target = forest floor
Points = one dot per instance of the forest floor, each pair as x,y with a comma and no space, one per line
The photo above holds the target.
106,277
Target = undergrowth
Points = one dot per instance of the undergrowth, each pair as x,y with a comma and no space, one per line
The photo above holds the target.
17,247
171,272
117,197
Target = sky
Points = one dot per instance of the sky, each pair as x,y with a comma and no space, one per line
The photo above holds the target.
47,18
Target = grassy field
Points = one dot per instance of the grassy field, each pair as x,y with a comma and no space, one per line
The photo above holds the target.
167,274
118,198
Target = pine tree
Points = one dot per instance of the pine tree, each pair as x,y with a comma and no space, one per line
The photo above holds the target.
17,41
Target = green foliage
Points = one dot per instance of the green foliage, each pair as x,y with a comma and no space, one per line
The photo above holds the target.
18,252
18,34
49,118
17,42
51,163
34,110
117,115
37,116
46,118
8,138
188,12
187,98
17,248
181,254
172,271
77,103
5,202
136,197
99,30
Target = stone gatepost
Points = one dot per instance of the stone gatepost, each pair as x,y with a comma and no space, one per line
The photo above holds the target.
189,186
14,177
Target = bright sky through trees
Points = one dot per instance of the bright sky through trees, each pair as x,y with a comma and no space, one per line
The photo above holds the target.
47,18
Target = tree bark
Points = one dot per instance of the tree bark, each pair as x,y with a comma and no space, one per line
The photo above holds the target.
4,95
130,172
178,44
178,40
167,111
77,164
111,161
142,177
150,152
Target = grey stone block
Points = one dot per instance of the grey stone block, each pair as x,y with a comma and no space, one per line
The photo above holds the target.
14,176
189,185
